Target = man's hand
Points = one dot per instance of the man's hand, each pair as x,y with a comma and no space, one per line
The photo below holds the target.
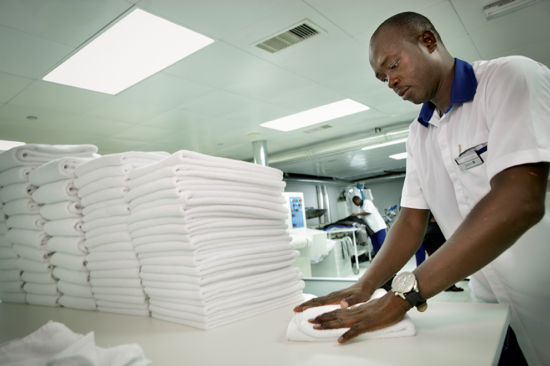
350,296
376,314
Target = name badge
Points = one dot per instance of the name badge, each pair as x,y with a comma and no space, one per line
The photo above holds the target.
471,158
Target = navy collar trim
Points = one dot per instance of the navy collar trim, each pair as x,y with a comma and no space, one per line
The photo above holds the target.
463,89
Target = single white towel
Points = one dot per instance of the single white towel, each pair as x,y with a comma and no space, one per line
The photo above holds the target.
136,158
43,300
116,282
61,210
7,252
109,238
33,238
55,170
125,291
19,174
12,286
35,254
67,244
9,264
102,230
104,195
110,256
104,222
69,261
33,266
23,206
299,329
103,183
126,311
76,302
17,298
10,275
41,288
60,191
29,222
46,278
113,247
31,154
121,209
72,276
16,191
112,304
123,299
96,206
115,273
76,290
114,264
103,172
155,222
65,227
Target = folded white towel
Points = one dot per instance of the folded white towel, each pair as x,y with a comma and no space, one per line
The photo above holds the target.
113,247
46,278
112,304
116,273
102,230
136,158
17,298
67,244
126,311
103,183
123,299
114,264
110,256
109,238
23,206
43,300
117,282
96,206
81,303
299,329
35,254
121,209
30,154
155,222
65,227
33,238
125,291
16,191
72,276
103,172
19,174
29,222
7,252
60,191
3,231
3,228
89,226
9,264
10,275
61,210
55,170
69,261
104,195
41,288
34,266
76,290
12,286
191,157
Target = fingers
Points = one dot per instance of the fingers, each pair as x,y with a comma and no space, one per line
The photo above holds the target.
351,301
318,301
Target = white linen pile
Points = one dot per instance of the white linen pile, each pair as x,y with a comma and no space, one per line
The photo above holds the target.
26,276
211,239
61,207
112,261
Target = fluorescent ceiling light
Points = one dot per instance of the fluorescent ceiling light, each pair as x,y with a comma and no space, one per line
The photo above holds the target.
384,144
316,115
6,145
503,7
399,156
139,45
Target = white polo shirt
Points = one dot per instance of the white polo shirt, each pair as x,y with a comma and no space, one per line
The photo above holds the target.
504,103
374,219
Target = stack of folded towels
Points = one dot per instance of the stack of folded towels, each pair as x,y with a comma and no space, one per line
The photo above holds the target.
114,268
211,239
61,207
31,271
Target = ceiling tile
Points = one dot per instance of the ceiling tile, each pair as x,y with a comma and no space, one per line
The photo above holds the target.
180,120
111,145
128,110
258,114
57,97
95,126
12,115
218,104
354,84
400,108
360,119
445,20
143,133
380,96
463,48
536,51
16,133
11,86
27,55
307,98
61,137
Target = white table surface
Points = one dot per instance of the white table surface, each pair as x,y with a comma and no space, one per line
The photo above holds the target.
447,334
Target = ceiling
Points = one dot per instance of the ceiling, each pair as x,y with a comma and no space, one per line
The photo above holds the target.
210,101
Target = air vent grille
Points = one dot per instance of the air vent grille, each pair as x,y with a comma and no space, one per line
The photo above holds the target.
298,33
317,129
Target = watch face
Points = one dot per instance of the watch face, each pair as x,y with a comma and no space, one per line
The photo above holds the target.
403,282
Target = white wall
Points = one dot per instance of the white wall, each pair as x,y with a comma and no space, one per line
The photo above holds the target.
386,193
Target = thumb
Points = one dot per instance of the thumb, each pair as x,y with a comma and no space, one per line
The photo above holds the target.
350,301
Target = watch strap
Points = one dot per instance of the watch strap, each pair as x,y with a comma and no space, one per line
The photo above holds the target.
416,300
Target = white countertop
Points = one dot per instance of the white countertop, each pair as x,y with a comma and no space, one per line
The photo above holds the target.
447,334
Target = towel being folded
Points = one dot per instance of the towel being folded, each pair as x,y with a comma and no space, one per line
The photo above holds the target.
60,191
299,329
103,204
16,191
33,266
29,222
16,298
35,254
126,311
65,227
55,170
113,247
43,300
33,238
61,210
71,276
69,261
117,282
23,206
19,174
112,304
72,289
74,302
103,183
41,288
46,278
114,264
67,244
89,226
121,209
109,238
104,195
30,154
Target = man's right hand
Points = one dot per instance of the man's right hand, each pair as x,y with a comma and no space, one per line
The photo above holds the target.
347,297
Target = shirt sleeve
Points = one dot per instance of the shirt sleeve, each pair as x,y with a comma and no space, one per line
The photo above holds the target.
368,206
518,115
412,195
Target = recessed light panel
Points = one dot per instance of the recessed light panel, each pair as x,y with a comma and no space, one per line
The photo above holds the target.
316,115
399,156
139,45
384,144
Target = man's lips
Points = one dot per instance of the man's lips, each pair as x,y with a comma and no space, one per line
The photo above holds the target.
404,93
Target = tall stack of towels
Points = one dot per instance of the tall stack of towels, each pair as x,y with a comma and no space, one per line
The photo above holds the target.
114,268
62,208
30,274
211,239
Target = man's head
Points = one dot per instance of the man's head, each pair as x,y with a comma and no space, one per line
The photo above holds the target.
357,200
406,51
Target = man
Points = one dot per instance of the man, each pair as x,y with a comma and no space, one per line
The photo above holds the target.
478,158
372,218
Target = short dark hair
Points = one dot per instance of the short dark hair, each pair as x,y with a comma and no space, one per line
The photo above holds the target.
411,25
356,197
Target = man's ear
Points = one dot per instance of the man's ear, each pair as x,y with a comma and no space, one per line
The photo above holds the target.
428,39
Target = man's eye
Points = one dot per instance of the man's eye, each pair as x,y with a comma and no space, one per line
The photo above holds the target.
394,66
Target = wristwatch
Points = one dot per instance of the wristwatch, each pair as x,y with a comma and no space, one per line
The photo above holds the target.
405,286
